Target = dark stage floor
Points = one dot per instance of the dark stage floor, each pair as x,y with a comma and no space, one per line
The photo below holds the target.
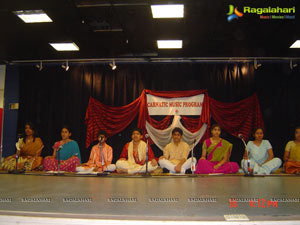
36,199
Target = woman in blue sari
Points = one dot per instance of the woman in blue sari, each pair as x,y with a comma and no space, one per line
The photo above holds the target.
261,155
67,151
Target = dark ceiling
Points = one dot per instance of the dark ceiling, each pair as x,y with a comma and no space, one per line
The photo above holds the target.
204,30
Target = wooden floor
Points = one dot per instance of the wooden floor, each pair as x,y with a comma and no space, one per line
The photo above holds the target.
157,198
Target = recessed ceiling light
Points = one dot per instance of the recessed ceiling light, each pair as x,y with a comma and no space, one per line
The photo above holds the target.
167,44
33,16
167,11
71,46
296,44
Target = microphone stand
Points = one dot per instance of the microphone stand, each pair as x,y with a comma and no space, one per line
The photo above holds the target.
16,171
103,173
147,174
248,173
193,165
58,166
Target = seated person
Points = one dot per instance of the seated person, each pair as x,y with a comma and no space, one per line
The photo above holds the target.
100,157
215,155
67,151
133,157
261,155
292,154
175,154
29,149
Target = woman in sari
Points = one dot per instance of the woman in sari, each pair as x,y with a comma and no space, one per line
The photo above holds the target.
215,155
67,151
261,155
292,154
29,149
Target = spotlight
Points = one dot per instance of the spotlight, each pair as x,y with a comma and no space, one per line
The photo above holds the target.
39,66
113,65
65,67
256,65
292,65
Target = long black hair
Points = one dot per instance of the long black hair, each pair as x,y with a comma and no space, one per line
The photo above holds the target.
34,133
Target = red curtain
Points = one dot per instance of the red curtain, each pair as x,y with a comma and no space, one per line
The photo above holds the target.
111,119
115,119
238,117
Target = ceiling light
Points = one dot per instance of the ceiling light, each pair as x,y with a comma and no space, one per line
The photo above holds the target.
113,65
167,11
69,46
65,67
39,66
168,44
296,44
33,16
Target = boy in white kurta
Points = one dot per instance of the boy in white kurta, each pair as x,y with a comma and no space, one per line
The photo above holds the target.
175,154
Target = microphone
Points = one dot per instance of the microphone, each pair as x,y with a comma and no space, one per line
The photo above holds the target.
19,135
101,139
59,148
248,173
240,136
147,158
193,168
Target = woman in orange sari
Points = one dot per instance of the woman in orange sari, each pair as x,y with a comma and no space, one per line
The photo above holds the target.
292,154
29,149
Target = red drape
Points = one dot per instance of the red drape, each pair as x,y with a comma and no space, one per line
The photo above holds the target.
111,119
115,119
238,117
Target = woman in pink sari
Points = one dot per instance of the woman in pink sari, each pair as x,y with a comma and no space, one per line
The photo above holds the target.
215,155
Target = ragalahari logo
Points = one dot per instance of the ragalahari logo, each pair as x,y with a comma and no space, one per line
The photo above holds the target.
233,13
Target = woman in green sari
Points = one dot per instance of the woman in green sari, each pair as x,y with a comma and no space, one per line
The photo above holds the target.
215,155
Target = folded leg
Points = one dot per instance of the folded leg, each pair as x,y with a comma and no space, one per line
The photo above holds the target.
292,167
204,167
188,164
110,168
164,163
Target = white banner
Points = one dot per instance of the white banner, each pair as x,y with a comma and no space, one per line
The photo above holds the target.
175,106
163,137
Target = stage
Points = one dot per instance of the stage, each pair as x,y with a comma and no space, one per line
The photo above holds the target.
118,199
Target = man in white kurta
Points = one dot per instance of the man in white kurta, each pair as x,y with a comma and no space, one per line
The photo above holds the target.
175,154
133,157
